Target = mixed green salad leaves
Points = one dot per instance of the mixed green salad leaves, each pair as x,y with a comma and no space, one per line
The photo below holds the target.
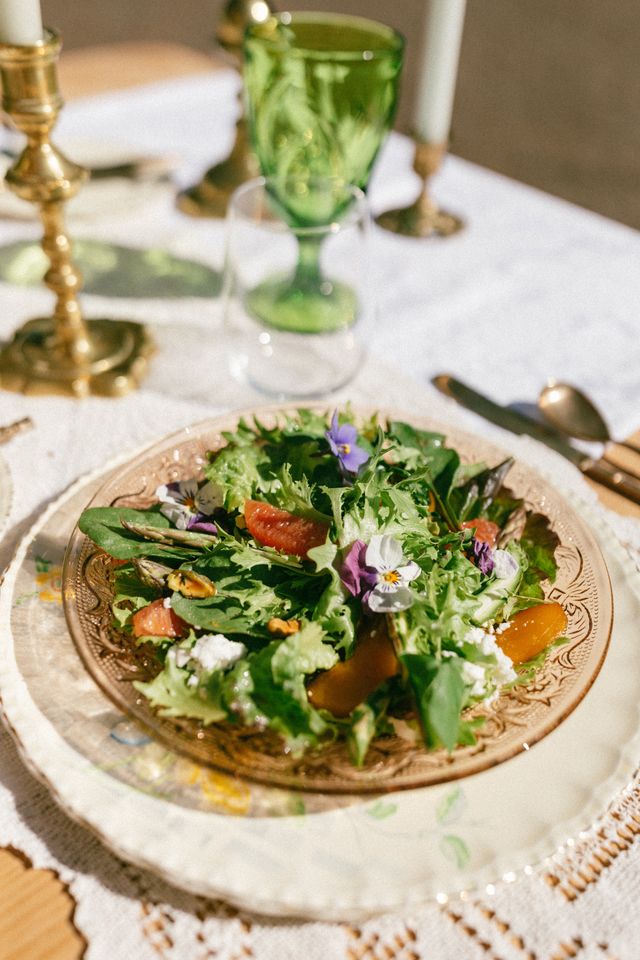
262,576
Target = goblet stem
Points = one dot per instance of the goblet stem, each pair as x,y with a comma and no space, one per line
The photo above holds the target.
308,276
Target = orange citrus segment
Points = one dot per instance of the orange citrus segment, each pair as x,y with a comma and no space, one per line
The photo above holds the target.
341,688
277,528
531,631
156,620
484,530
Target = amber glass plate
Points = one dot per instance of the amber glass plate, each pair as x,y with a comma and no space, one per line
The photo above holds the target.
513,722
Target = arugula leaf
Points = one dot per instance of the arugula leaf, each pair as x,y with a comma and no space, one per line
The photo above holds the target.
424,442
439,692
103,525
472,498
539,543
130,595
216,615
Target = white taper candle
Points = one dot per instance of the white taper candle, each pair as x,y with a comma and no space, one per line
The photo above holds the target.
20,22
439,68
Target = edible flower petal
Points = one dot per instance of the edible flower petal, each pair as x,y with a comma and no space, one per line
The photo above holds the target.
342,440
505,564
188,505
391,592
357,577
483,555
199,524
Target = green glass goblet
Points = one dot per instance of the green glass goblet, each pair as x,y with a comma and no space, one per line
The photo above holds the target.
322,91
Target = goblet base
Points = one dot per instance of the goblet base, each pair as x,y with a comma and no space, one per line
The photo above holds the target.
324,307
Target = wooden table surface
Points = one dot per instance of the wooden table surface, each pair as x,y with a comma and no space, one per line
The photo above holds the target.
36,910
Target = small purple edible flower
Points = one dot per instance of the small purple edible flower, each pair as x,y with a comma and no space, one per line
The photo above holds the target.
483,556
379,575
343,443
358,578
200,524
188,504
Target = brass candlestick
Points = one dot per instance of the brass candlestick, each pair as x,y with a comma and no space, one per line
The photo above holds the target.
210,197
423,218
63,353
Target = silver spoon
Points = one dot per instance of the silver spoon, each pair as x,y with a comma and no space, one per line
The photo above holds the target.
571,412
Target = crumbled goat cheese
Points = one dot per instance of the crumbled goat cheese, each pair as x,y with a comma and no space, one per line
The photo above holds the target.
481,677
215,652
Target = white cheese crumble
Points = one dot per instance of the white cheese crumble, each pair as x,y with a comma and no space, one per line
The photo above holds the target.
485,678
166,603
474,675
210,652
215,652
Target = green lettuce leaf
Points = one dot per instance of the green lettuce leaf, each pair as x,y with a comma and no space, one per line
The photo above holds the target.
103,525
439,692
173,698
130,595
235,470
303,652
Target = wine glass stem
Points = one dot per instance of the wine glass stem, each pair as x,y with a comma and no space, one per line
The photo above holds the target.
308,275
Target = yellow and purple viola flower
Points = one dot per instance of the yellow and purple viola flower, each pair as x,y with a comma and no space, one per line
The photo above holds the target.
379,574
189,505
342,438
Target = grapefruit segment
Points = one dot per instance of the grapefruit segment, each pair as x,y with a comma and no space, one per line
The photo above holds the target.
484,530
156,620
277,528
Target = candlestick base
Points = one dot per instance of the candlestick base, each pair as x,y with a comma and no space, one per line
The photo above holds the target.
423,218
420,220
37,363
63,353
210,197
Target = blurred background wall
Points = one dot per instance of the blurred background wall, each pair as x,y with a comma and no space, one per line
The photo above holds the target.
548,90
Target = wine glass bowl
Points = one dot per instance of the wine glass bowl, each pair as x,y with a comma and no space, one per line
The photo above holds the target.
322,92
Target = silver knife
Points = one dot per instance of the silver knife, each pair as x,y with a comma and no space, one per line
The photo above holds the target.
599,470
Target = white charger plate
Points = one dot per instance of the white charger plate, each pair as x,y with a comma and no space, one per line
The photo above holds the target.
6,492
215,836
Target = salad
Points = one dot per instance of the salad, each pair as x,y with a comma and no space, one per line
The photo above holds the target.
332,581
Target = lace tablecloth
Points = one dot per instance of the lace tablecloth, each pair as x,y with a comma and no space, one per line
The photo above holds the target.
533,288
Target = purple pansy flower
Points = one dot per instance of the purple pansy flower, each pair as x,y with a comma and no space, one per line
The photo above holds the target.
188,505
342,441
379,574
200,524
483,556
358,578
